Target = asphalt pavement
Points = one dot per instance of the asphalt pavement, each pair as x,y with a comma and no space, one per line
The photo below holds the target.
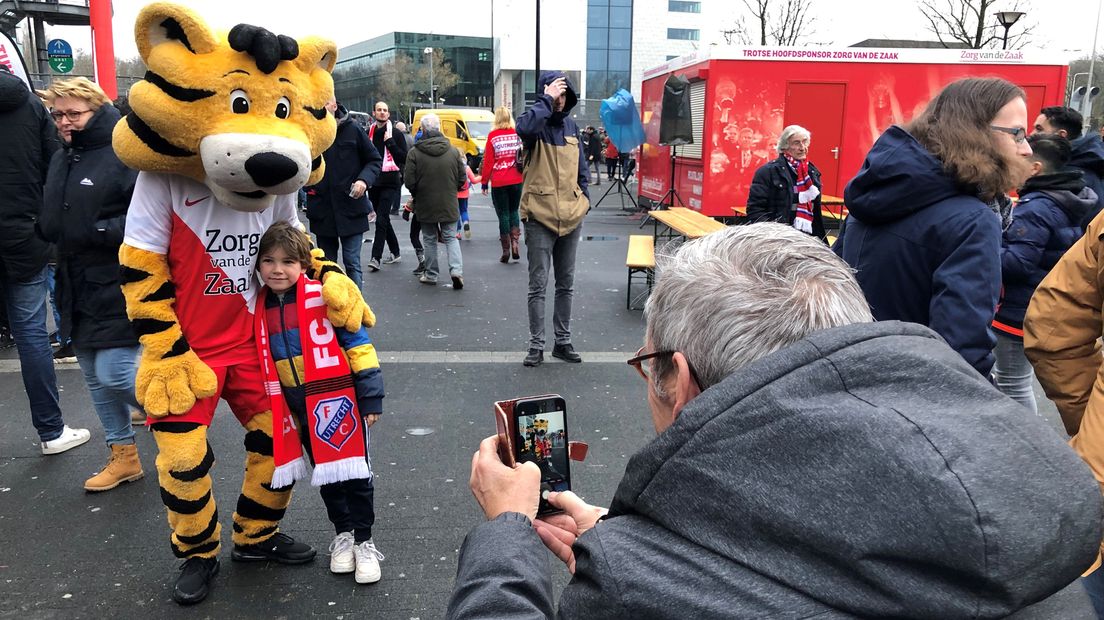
446,356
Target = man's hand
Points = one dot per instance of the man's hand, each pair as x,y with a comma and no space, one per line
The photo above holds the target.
556,88
358,188
484,191
371,419
558,532
500,489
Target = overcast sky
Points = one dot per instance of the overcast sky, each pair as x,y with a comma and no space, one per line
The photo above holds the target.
1063,26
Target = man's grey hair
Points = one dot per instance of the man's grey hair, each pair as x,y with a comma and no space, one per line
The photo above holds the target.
431,122
742,293
788,132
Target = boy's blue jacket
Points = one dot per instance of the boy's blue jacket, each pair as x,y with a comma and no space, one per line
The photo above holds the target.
282,322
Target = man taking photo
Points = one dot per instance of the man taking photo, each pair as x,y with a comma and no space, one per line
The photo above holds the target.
809,462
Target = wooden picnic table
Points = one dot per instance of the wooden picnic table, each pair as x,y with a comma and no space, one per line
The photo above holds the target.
837,212
683,222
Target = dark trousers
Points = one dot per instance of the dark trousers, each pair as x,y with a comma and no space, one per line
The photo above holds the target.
350,507
350,504
384,197
416,234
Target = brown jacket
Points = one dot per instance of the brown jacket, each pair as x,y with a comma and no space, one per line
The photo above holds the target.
551,194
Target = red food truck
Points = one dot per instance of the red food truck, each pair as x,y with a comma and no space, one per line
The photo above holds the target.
741,98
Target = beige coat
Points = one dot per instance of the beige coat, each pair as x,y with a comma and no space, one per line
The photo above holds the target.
551,193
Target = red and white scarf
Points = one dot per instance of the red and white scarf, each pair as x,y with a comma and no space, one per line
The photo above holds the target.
335,432
388,161
806,194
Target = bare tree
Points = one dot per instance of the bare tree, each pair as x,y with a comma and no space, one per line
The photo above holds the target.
774,22
972,22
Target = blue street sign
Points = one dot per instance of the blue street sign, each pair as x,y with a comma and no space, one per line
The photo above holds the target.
59,47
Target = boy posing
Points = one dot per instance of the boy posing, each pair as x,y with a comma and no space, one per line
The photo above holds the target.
327,401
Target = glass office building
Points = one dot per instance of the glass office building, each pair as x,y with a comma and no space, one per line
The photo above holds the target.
609,47
361,67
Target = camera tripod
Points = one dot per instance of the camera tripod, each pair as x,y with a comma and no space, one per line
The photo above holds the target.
620,185
669,198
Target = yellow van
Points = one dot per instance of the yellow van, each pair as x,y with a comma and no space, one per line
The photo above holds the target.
466,128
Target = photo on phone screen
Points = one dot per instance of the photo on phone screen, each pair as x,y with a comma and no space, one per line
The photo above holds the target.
542,439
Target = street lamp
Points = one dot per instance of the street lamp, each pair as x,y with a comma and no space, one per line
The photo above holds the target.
432,93
1006,19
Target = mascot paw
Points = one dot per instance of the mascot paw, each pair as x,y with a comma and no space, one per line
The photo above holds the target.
172,385
345,306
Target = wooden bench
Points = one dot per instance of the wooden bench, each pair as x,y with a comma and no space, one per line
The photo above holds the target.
641,264
683,222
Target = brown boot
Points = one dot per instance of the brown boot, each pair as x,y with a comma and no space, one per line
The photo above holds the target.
122,466
504,240
515,234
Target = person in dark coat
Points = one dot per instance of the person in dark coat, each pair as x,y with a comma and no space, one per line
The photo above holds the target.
595,152
1045,223
775,195
1087,150
29,141
434,174
384,193
338,205
927,210
826,466
87,195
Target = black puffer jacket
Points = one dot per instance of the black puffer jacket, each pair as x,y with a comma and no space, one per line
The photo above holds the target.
87,195
772,197
28,139
351,158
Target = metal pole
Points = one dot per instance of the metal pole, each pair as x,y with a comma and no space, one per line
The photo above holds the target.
1086,103
432,93
536,67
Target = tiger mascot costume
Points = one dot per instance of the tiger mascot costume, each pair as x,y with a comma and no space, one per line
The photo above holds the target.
225,129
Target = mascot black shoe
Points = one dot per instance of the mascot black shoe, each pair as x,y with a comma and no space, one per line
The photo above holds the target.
225,128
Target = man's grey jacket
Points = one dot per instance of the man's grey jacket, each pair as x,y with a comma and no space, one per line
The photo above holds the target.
866,470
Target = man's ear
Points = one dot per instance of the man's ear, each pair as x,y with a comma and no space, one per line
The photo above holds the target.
685,387
1063,133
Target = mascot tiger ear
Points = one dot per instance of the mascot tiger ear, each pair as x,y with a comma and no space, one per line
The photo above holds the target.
162,23
316,53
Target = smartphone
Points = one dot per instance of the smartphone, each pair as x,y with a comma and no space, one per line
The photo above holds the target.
540,436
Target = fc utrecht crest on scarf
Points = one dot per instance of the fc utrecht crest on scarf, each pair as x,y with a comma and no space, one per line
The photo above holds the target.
335,421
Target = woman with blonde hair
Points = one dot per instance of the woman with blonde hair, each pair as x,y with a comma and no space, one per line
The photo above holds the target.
502,172
927,210
86,198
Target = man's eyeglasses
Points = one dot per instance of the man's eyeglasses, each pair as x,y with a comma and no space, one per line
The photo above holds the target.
637,362
1019,134
72,116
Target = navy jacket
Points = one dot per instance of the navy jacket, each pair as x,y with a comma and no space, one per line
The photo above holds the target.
864,471
352,157
87,195
1088,157
539,122
924,249
772,198
28,139
1046,222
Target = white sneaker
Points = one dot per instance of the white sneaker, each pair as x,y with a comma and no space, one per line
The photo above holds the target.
342,560
392,260
68,439
367,562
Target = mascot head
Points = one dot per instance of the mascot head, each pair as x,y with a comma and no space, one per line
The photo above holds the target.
243,112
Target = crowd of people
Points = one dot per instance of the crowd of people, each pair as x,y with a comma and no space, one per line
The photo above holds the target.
832,422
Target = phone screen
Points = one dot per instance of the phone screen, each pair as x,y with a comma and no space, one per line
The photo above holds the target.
542,439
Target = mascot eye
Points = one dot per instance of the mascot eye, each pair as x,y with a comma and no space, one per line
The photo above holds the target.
283,108
239,101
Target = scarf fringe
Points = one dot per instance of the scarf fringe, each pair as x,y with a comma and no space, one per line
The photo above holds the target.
340,470
285,475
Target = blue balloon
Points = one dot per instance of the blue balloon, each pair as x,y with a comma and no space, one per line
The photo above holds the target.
622,121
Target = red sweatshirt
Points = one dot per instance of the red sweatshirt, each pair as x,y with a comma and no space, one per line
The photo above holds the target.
500,157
